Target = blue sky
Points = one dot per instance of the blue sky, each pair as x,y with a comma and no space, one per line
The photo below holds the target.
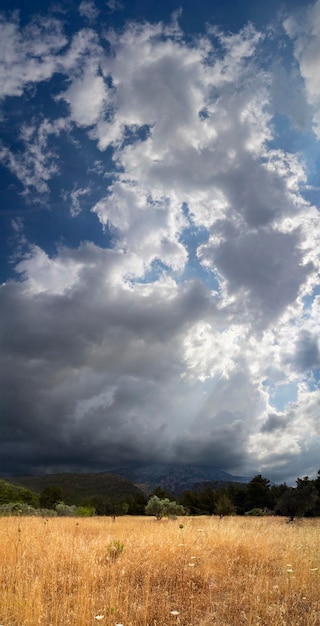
159,235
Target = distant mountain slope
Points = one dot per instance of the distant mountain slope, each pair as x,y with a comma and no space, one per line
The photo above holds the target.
121,483
173,477
77,488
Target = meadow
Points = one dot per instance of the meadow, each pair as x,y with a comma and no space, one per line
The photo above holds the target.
140,572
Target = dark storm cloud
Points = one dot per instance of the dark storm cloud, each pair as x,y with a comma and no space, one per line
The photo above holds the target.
265,265
307,353
274,422
87,372
214,444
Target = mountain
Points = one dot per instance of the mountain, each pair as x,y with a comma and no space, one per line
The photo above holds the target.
77,488
126,482
173,477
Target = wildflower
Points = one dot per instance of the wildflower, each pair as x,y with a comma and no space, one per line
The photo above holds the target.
174,613
191,564
99,617
289,571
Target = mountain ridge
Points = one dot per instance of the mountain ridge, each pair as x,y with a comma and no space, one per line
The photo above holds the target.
174,477
119,483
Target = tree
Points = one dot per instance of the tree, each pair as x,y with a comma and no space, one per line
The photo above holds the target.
105,506
224,505
162,493
28,497
207,499
190,501
137,504
237,493
296,502
258,493
51,496
163,508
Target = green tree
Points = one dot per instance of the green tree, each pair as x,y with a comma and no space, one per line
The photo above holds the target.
8,493
316,484
163,508
296,502
51,496
162,493
224,505
237,493
105,506
190,501
137,504
207,500
258,494
28,497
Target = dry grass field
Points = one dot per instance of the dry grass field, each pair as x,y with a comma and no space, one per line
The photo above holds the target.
188,572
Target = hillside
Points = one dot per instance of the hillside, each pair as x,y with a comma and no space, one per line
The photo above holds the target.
175,478
123,483
77,488
10,492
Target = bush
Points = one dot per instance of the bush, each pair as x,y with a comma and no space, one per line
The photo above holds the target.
257,512
85,511
114,550
64,510
17,508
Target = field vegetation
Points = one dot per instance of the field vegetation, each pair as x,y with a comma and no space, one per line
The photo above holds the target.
136,571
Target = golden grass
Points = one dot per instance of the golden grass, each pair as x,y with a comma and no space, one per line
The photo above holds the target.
233,572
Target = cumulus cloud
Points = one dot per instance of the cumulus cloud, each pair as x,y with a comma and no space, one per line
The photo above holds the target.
36,163
87,97
29,55
304,29
88,10
172,341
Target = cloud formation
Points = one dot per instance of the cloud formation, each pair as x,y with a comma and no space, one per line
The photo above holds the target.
191,333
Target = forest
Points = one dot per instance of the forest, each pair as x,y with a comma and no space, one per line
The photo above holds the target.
258,497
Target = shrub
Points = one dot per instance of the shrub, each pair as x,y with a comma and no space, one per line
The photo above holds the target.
17,508
85,511
114,549
255,512
64,510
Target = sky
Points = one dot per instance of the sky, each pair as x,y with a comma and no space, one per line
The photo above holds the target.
160,235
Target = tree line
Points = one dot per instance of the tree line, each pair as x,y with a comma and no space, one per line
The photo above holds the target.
257,497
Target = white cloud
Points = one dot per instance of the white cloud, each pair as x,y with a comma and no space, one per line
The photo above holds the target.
304,29
28,55
88,10
87,97
36,164
115,5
